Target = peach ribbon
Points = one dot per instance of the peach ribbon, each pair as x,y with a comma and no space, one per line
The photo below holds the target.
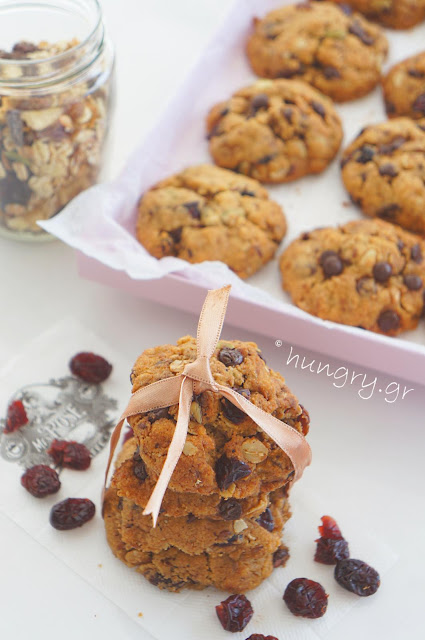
196,378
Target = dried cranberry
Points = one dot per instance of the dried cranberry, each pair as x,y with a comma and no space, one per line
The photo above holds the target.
234,613
139,468
69,454
71,513
228,470
230,509
306,598
16,417
357,576
329,551
266,520
41,481
90,367
230,357
329,529
259,636
280,557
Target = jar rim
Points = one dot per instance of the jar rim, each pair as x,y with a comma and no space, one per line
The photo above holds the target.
95,38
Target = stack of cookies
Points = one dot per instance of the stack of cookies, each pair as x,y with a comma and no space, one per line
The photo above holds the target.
223,513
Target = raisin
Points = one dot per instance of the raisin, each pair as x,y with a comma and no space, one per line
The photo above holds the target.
247,192
357,30
16,127
395,144
16,417
14,191
388,212
306,598
416,253
319,109
280,557
329,550
259,636
230,509
157,414
90,367
388,169
24,48
71,513
331,72
366,154
266,520
139,468
41,481
230,357
194,210
228,470
357,576
260,101
232,413
69,454
234,613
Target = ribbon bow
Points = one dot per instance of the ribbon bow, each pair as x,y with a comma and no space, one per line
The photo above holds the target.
196,378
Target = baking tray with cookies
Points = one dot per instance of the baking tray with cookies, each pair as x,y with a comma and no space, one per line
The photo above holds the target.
290,164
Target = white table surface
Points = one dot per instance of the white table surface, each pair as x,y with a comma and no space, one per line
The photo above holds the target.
368,453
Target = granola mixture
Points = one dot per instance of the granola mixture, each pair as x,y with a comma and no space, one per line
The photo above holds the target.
50,142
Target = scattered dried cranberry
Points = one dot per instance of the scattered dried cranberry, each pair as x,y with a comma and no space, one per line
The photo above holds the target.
259,636
266,520
329,551
230,509
41,481
280,557
357,576
69,454
329,529
234,613
139,468
228,470
306,598
16,417
71,513
230,357
90,367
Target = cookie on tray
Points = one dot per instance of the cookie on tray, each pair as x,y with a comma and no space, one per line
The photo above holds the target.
226,453
383,170
404,88
367,273
236,565
208,213
275,131
396,14
338,52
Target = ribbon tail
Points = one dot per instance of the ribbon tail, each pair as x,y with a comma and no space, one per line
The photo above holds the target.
160,394
174,451
211,320
286,437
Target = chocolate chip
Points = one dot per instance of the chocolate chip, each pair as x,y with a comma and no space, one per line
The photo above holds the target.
365,154
176,234
190,518
246,192
388,169
331,264
357,29
416,253
415,73
305,236
388,321
16,127
388,212
14,191
382,271
266,159
266,520
400,245
214,131
419,104
194,210
230,509
345,8
230,357
139,468
366,286
260,101
288,113
412,282
387,149
390,107
331,72
228,470
289,73
280,557
224,112
319,108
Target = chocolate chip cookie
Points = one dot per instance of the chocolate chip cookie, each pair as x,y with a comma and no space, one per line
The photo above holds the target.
383,170
404,88
368,274
275,131
226,453
208,213
338,52
397,14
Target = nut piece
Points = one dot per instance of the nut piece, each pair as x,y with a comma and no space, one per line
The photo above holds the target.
254,450
177,366
196,411
239,526
189,449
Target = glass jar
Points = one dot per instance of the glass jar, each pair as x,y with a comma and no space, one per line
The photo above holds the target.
56,68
